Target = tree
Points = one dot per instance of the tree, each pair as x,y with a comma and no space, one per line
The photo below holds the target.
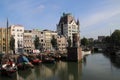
106,39
54,42
12,44
69,42
115,38
36,42
84,41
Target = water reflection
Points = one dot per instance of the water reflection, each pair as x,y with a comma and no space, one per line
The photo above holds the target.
62,71
100,67
57,71
85,60
74,73
93,67
115,60
25,75
14,77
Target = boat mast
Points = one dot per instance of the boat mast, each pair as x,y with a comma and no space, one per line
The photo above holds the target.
7,37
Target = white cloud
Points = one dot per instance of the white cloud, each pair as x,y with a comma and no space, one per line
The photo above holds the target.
99,17
38,9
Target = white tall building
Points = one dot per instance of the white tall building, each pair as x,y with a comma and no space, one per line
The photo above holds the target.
67,26
17,32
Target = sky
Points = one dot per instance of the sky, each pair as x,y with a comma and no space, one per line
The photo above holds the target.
97,17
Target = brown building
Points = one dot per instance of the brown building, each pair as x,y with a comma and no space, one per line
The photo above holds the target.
27,41
4,40
61,41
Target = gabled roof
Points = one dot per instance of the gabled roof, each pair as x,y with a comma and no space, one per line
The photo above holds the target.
66,18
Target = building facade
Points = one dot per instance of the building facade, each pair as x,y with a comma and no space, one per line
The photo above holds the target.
61,42
100,38
4,40
27,40
17,31
36,32
67,26
47,39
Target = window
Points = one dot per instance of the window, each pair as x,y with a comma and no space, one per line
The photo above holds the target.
41,32
4,48
3,39
3,44
13,29
21,30
41,40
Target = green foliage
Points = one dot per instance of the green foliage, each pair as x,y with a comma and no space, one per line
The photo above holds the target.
36,42
107,39
54,42
115,38
84,41
12,43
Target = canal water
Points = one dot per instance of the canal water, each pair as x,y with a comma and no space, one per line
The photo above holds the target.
94,67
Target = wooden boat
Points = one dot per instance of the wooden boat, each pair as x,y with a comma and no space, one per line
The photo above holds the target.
8,68
86,52
34,60
47,59
23,63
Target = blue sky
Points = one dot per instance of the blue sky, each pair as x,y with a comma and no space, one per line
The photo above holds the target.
97,17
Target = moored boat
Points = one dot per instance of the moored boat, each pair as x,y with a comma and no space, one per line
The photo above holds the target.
23,62
8,67
86,52
34,60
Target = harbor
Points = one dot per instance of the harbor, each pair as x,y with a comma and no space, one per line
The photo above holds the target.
95,66
59,40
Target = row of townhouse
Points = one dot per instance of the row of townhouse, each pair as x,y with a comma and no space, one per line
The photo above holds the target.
17,31
24,39
45,37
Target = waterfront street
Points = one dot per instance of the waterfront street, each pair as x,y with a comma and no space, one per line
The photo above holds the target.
94,67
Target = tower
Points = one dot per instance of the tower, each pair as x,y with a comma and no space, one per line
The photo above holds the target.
67,26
